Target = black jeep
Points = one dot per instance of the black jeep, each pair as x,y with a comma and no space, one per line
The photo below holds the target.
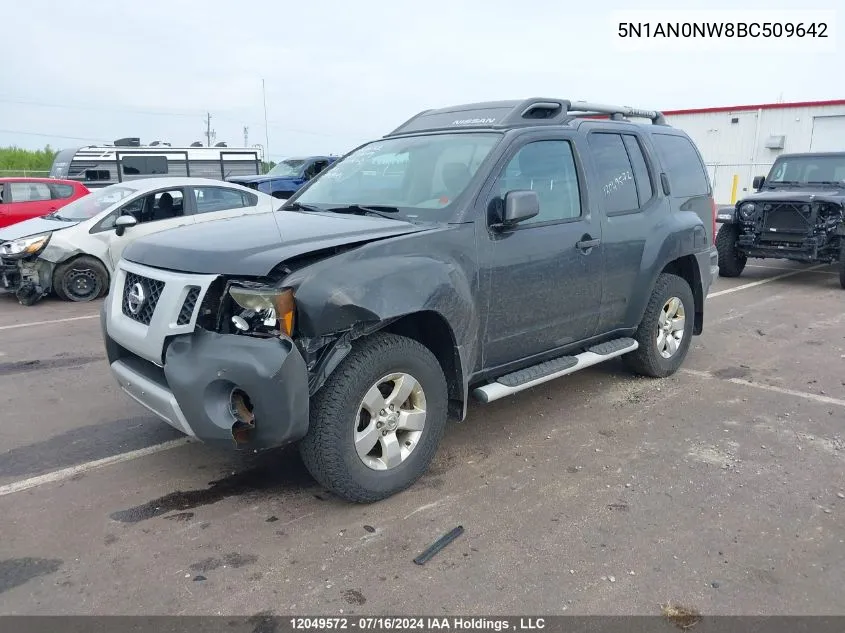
797,213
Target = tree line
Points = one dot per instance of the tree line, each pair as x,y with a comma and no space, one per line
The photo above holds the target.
16,159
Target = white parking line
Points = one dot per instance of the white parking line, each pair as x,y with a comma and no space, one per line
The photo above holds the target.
34,323
67,473
815,397
763,281
818,272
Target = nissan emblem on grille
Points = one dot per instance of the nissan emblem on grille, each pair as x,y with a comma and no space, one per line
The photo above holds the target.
136,298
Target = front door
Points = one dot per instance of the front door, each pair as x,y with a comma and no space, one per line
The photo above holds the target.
544,275
157,211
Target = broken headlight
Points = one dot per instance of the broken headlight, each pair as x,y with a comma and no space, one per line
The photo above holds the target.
24,247
263,308
747,210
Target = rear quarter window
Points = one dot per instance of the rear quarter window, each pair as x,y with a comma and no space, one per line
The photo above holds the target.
60,192
687,175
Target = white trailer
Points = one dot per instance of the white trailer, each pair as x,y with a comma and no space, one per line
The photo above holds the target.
126,159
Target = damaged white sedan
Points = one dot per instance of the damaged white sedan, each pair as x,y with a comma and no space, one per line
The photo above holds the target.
72,252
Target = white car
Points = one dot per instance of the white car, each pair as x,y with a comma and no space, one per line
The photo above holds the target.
73,251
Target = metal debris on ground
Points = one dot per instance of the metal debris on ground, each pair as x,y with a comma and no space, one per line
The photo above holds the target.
438,545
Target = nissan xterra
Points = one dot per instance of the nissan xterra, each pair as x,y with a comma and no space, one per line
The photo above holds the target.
513,243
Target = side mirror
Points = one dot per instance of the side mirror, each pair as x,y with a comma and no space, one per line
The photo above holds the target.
520,206
124,222
758,182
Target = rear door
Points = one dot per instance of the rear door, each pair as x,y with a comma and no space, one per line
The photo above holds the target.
625,192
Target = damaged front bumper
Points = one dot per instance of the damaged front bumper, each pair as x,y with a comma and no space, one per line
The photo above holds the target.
810,250
223,389
32,274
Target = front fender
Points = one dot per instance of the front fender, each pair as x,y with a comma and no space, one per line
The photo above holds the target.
357,296
372,290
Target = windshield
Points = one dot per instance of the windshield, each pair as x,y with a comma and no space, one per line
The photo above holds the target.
287,168
807,170
91,204
420,176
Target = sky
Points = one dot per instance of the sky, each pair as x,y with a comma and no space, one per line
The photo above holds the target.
337,74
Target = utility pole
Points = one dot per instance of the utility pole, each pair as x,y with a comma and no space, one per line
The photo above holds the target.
246,136
266,128
209,133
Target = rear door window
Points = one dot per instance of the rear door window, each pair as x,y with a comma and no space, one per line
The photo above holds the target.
210,199
687,176
616,173
28,191
642,177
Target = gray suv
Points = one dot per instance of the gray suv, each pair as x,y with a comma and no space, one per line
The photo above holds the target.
509,243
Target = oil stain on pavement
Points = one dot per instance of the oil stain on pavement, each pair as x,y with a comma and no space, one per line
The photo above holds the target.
18,571
279,474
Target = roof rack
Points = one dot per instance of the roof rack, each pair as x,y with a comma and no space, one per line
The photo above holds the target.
515,113
616,113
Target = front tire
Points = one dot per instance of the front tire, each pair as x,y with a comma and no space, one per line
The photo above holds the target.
731,260
665,331
81,279
377,421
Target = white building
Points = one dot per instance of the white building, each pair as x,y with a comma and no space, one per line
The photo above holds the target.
740,142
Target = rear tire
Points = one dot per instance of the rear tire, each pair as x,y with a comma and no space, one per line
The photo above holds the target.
82,279
665,331
355,451
731,260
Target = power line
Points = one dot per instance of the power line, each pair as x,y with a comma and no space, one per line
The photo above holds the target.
95,108
267,123
73,138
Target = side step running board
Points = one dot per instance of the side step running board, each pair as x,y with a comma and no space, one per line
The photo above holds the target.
517,381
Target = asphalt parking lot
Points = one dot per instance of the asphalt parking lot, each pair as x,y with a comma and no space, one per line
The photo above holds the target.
721,488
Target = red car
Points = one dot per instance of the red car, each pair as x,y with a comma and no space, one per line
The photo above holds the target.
26,198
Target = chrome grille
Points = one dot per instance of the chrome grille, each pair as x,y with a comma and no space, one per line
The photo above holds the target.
150,290
188,306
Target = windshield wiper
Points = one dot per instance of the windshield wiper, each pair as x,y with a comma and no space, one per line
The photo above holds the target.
55,216
382,211
301,207
832,183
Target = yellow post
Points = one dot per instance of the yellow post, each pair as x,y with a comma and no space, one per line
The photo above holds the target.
734,186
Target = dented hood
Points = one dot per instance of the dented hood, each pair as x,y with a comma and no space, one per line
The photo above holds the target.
252,245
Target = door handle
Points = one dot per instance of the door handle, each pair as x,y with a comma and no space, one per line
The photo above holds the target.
587,244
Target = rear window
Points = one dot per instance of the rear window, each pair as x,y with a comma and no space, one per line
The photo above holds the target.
687,176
